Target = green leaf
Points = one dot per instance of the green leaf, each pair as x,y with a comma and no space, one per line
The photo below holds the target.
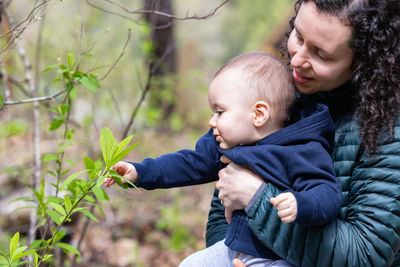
117,178
54,216
55,199
107,145
70,60
72,92
1,101
49,157
68,248
56,123
122,154
14,243
67,203
58,208
70,178
60,235
36,243
63,109
89,163
50,68
19,253
90,199
89,214
35,258
98,192
22,199
90,82
3,261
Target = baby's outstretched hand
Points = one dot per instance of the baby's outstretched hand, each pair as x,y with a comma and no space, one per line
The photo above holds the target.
286,205
124,169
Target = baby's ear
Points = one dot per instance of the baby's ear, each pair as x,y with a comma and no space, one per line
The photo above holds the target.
261,113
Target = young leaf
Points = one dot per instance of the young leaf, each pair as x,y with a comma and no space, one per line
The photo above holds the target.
107,145
54,216
19,253
35,258
56,123
68,248
89,82
36,243
1,101
89,214
49,157
70,178
50,68
14,243
70,60
58,208
122,154
22,199
98,192
60,235
67,203
4,261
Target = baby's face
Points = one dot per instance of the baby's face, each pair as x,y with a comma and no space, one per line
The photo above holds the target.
232,118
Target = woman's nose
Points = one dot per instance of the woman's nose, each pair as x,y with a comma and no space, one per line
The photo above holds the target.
300,59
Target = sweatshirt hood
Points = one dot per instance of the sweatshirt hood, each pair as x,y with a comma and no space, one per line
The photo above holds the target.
310,121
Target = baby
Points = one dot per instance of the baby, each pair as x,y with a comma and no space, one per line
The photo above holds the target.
251,97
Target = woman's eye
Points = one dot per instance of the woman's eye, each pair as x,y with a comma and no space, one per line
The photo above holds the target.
318,53
298,36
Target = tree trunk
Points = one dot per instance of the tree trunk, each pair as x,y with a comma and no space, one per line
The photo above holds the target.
162,92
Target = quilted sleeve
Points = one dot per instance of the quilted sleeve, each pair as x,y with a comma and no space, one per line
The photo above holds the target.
367,230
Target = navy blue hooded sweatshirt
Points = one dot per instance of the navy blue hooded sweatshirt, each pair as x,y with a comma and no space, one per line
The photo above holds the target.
295,158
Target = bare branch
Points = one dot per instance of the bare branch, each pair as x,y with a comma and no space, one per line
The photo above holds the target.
144,12
119,57
111,12
36,13
152,70
35,99
187,17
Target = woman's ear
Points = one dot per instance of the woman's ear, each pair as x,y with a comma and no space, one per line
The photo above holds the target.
261,113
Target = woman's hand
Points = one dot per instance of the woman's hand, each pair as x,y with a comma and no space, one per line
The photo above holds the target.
237,185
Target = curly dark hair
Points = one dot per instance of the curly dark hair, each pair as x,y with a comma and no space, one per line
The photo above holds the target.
375,42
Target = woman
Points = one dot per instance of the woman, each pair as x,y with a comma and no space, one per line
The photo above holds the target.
346,54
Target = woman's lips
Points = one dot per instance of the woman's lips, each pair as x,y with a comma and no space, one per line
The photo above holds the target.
299,78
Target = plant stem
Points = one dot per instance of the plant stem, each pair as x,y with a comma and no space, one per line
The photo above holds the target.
65,219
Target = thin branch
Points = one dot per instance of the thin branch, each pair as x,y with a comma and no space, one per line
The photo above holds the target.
143,12
18,29
119,57
20,86
35,99
111,12
152,70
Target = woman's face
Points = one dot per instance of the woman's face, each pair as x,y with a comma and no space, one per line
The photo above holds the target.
319,48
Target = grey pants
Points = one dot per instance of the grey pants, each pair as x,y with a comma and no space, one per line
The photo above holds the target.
220,255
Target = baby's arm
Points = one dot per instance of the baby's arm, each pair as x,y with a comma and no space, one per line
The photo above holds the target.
124,169
286,205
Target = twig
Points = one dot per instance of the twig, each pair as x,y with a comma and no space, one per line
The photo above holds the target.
111,12
119,57
35,99
143,12
17,30
65,219
152,69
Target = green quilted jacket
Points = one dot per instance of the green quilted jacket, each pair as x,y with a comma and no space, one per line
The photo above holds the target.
367,229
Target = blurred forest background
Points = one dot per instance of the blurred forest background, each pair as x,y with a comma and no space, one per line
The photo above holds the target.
69,68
